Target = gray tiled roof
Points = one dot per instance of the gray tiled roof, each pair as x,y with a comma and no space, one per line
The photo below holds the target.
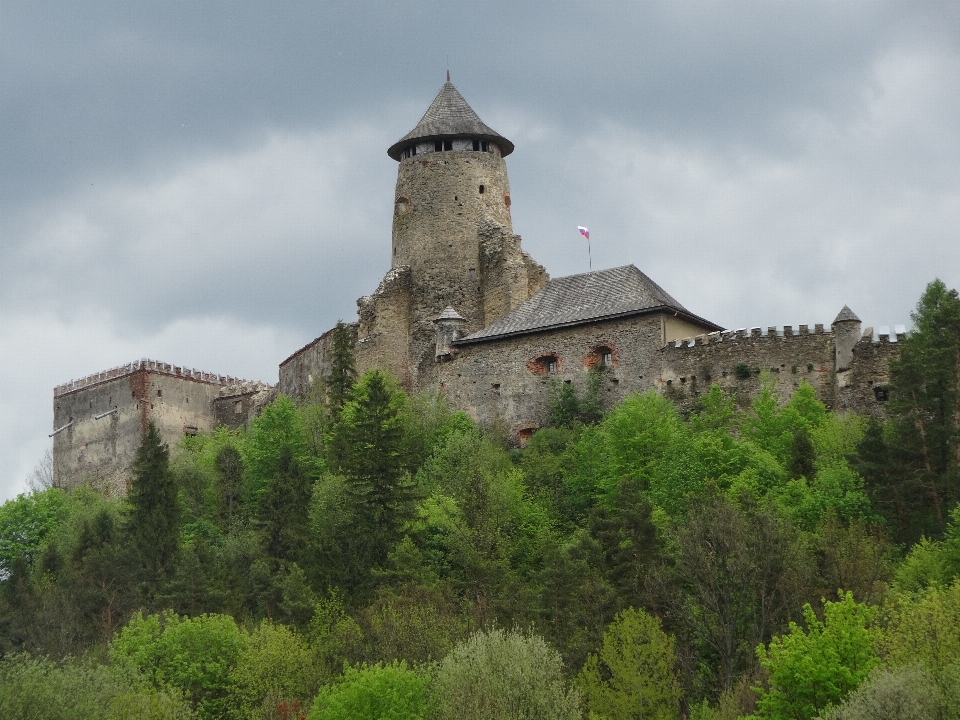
583,298
846,315
449,116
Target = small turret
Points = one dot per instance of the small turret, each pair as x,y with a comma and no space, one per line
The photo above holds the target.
846,334
449,328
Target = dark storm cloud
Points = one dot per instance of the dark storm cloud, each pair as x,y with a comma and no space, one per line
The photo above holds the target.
207,183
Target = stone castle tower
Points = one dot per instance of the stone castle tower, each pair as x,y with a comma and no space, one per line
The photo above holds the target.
453,243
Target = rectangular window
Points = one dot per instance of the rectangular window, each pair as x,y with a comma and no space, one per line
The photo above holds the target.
608,359
476,146
552,366
448,144
472,273
438,145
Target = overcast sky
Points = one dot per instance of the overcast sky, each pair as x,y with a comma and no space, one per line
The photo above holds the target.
207,184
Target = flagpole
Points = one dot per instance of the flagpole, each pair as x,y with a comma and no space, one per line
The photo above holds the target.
589,255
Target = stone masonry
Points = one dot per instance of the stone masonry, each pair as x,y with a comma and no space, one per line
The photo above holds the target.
465,312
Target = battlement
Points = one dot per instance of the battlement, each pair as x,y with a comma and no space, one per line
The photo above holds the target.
883,335
147,365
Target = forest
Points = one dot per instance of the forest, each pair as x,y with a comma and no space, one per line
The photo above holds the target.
370,554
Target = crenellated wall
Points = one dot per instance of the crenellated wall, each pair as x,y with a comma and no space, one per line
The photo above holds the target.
100,419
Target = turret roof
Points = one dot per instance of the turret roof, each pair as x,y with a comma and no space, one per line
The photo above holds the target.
449,116
846,315
592,296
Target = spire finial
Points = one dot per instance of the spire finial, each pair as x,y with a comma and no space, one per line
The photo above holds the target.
448,75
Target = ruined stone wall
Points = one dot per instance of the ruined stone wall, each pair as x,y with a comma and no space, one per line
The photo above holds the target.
507,382
384,333
508,276
308,364
786,357
864,387
101,451
237,405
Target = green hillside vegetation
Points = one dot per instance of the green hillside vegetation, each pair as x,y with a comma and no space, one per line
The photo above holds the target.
369,554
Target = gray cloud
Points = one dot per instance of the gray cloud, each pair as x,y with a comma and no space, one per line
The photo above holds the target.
206,182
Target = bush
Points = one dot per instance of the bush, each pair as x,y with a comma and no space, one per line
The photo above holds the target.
497,675
633,674
373,692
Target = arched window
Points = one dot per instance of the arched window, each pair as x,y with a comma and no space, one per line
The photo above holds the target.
546,364
601,356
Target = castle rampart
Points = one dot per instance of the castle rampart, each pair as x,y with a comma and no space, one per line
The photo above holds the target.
100,419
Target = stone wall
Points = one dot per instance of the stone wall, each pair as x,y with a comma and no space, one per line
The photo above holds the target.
101,451
507,382
308,364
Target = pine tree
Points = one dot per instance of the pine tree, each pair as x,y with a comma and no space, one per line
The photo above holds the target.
153,523
343,370
284,509
372,433
924,403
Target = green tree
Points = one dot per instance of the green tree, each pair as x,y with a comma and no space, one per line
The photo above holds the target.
25,523
373,692
229,467
342,377
275,668
279,427
284,509
810,670
153,523
501,675
901,694
924,409
194,655
632,675
374,465
40,689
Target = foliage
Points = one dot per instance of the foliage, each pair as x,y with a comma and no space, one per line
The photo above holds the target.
154,506
500,674
914,462
373,692
902,694
339,382
279,428
25,523
810,670
632,676
193,655
275,667
35,687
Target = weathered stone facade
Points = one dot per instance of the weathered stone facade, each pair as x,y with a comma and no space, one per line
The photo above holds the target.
465,312
100,419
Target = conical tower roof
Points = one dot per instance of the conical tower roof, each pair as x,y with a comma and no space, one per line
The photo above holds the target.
846,315
449,116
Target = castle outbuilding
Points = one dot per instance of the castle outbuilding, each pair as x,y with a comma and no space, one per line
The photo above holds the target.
464,311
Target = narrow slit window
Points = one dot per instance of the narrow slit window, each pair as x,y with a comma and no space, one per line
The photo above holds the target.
482,189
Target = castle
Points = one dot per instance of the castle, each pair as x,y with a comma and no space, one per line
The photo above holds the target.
464,311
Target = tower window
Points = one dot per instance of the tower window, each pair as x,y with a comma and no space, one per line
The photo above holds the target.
439,145
481,189
472,274
485,146
448,144
476,146
410,151
607,359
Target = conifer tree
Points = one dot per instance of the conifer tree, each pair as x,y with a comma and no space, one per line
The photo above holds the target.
284,509
923,439
372,433
343,370
153,523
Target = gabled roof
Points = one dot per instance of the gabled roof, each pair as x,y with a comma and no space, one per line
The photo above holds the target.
449,116
578,299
